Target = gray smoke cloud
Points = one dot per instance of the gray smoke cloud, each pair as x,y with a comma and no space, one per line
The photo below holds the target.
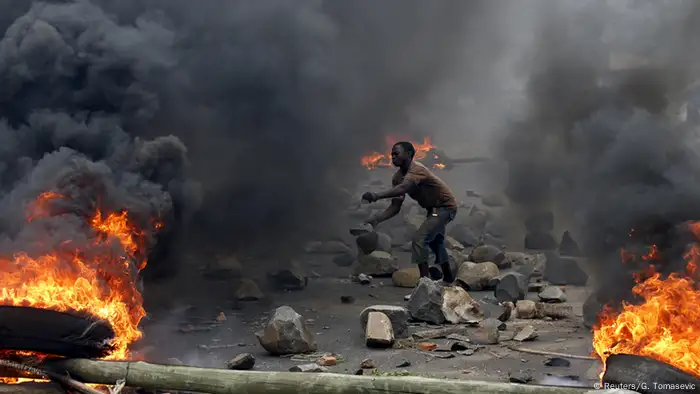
599,143
236,122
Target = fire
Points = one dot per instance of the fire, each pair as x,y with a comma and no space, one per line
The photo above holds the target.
666,325
98,279
376,159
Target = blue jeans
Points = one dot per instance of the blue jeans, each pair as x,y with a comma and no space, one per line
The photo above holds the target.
431,236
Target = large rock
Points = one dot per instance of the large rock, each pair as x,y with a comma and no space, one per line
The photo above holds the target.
383,242
453,244
496,310
399,235
406,277
458,306
564,271
367,242
552,294
223,268
377,264
248,291
540,241
425,303
398,316
379,332
292,278
327,247
286,333
512,287
568,246
476,277
484,253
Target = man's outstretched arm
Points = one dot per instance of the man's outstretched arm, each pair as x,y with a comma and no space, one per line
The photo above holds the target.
397,191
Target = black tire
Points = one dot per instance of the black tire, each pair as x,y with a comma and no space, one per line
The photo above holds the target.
648,376
54,333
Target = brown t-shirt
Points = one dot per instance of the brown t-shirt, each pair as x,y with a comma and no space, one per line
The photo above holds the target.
428,190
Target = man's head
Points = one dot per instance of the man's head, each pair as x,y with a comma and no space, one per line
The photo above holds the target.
402,153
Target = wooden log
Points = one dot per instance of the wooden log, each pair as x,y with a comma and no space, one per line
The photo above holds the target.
221,381
31,388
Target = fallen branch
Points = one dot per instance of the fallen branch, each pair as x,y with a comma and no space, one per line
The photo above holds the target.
58,378
553,354
222,381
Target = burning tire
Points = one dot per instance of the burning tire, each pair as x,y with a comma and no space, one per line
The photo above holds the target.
55,333
648,376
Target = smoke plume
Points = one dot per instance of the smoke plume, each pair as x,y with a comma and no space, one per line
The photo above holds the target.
599,140
245,120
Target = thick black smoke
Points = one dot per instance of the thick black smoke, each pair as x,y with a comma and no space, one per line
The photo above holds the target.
77,90
275,101
598,145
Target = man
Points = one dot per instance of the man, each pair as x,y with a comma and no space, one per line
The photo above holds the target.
431,193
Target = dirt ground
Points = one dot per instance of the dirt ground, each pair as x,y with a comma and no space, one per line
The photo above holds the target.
338,330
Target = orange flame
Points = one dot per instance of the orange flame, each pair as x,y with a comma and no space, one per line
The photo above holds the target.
98,279
666,326
376,159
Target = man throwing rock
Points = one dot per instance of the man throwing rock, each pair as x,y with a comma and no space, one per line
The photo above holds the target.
431,193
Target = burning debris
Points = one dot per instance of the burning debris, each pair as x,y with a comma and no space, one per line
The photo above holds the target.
426,153
665,324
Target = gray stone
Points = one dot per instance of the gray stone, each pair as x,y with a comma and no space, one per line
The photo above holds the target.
425,303
383,242
453,244
248,291
344,259
522,377
476,277
367,242
399,236
492,322
242,362
327,247
484,253
484,335
286,333
364,279
378,332
308,368
292,278
495,310
398,316
512,287
564,271
527,333
379,264
568,245
552,294
223,268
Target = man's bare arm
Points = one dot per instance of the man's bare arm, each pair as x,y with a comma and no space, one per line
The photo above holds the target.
391,211
396,191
